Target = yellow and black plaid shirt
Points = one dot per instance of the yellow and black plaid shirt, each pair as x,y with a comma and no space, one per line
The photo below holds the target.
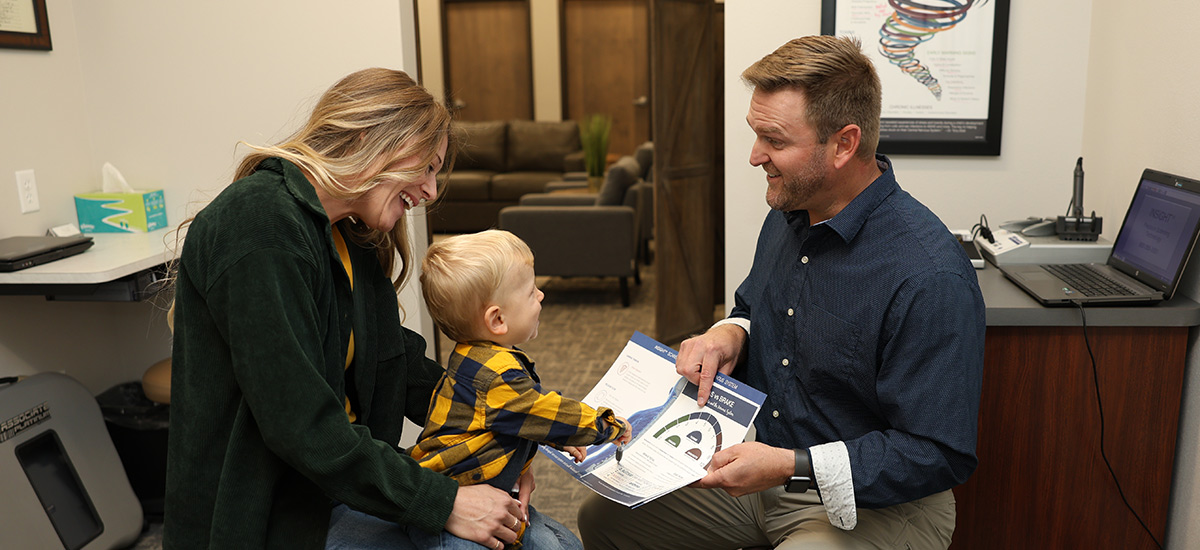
487,402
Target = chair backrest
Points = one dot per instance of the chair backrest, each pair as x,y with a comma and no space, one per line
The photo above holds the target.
621,175
645,158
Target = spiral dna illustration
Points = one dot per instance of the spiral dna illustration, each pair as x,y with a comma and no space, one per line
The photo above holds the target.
914,23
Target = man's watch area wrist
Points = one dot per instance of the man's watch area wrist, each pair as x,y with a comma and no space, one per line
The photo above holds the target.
802,477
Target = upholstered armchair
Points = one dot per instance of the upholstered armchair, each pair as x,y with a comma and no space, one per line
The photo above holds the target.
576,234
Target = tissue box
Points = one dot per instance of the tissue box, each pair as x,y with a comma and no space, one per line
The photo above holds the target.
136,212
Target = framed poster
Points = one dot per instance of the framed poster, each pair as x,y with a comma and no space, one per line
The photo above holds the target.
941,63
24,25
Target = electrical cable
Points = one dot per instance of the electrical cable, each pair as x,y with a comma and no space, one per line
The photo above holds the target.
982,228
1100,407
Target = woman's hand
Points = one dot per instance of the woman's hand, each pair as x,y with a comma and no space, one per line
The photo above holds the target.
486,515
525,486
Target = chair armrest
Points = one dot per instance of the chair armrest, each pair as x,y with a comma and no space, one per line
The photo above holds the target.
558,199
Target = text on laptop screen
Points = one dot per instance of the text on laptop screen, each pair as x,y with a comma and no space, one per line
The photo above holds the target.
1158,229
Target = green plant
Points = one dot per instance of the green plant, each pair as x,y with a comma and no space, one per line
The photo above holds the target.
593,133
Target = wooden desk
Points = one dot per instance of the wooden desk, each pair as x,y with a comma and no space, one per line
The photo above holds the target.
1041,481
113,257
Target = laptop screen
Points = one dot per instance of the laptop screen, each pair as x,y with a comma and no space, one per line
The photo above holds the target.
1159,230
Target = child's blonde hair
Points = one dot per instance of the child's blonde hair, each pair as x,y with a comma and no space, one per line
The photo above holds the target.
460,276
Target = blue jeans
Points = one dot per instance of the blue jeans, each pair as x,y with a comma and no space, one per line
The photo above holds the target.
354,530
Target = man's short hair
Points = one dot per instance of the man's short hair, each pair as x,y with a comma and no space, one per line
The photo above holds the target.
460,276
838,81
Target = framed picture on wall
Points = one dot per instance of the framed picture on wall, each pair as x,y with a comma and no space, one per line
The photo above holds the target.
941,63
24,25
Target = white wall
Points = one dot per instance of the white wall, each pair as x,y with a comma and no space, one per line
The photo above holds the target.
1141,111
1107,81
164,91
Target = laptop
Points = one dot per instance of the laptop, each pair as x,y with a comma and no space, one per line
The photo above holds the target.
1147,258
23,252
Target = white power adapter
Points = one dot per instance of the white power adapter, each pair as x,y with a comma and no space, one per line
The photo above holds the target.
1006,241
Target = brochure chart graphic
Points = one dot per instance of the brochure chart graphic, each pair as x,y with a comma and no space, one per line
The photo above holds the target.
673,439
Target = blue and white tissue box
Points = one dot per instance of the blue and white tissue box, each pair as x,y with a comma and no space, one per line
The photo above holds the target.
133,212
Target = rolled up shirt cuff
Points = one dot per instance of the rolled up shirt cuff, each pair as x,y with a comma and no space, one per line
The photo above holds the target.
739,321
831,468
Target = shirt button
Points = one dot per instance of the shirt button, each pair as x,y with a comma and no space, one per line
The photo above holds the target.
775,414
785,361
791,312
804,260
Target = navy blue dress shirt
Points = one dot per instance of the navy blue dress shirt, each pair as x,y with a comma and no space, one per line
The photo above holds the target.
868,329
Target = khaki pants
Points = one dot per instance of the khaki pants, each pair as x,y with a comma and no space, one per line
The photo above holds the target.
711,519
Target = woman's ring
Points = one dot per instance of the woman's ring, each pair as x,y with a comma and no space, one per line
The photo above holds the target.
499,545
516,522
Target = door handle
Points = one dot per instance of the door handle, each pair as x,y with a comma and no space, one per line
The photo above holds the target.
641,101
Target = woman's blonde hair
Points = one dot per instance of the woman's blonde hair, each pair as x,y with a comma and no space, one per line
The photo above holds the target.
369,115
460,276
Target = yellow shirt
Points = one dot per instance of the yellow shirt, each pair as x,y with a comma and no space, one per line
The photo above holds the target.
344,253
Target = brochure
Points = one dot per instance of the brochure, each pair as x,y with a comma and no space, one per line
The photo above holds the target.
673,438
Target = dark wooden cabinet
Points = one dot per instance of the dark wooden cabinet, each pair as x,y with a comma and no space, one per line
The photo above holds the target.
1042,481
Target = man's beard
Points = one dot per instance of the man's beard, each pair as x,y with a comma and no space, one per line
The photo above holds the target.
797,190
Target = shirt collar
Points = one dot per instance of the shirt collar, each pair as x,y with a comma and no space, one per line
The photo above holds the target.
497,347
850,220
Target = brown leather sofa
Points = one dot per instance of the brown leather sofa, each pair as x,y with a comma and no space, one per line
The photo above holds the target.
497,163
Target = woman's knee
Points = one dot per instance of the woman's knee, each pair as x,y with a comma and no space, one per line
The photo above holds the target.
546,533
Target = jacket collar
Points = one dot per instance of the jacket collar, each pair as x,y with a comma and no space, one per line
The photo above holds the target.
297,184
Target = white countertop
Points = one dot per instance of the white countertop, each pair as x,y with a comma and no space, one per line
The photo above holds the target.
114,255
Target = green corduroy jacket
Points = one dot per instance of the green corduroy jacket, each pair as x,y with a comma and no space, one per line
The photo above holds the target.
259,443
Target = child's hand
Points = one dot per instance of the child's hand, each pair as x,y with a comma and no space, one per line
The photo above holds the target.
626,434
579,453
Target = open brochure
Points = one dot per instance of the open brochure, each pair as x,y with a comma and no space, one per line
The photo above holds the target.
673,438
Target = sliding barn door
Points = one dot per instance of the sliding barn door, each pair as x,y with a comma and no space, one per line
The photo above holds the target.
684,95
488,59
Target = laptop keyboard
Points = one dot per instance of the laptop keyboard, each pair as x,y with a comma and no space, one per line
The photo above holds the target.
1087,281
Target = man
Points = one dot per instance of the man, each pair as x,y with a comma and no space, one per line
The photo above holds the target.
862,320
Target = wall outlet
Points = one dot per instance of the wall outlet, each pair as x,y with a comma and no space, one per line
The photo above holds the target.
27,191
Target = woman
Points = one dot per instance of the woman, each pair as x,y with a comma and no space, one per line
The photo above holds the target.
291,373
